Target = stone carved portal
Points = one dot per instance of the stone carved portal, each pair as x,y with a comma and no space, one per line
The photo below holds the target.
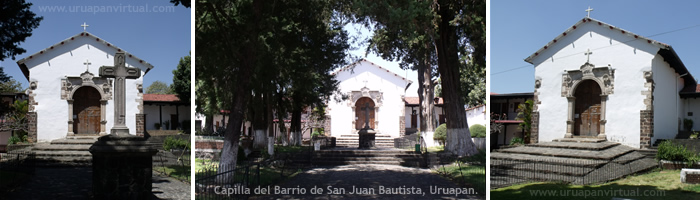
86,111
586,91
375,99
82,93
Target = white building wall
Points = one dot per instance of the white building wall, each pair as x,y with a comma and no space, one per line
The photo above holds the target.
153,116
477,116
667,103
388,113
692,105
628,59
67,60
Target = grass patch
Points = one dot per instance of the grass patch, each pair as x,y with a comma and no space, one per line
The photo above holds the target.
290,149
436,149
473,176
179,172
653,185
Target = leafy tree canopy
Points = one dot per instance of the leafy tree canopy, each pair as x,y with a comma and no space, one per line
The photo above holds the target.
16,24
181,79
159,87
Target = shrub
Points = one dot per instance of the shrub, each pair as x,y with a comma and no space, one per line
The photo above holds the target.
13,140
440,134
157,126
478,131
175,143
516,141
688,124
676,152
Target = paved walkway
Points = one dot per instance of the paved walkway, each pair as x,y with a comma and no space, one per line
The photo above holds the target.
76,183
367,181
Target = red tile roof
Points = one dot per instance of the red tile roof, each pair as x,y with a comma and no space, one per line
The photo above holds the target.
416,101
475,107
161,97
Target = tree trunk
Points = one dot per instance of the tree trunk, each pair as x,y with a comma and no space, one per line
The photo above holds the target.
458,141
296,126
270,128
208,124
426,96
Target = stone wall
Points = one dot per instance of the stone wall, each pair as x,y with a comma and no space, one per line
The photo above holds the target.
646,128
535,129
327,125
140,124
402,125
31,123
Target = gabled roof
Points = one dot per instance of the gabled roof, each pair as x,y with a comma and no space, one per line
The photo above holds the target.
665,50
348,67
25,70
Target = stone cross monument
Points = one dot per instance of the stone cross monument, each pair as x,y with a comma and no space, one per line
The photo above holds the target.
120,73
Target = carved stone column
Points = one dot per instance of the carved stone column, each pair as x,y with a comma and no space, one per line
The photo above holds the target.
603,99
70,118
570,120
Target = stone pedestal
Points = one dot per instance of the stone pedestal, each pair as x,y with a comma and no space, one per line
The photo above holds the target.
122,167
367,137
690,176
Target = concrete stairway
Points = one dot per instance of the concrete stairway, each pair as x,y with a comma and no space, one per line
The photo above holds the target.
571,161
381,141
71,151
345,156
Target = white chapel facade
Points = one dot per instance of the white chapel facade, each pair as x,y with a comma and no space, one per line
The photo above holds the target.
67,97
596,80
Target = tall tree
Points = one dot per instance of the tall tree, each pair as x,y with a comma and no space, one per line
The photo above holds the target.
16,24
249,47
453,28
158,87
4,77
11,86
181,79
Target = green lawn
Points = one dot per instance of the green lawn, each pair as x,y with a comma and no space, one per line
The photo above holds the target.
467,175
653,185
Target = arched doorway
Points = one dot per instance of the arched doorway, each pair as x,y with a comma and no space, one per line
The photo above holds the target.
587,109
86,111
362,106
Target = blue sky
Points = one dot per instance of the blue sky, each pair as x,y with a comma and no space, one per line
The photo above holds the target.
519,28
153,30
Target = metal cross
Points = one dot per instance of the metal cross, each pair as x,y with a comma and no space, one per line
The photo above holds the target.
87,64
589,11
84,26
588,54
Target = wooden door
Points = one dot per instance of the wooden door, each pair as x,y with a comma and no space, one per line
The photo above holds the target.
174,122
587,109
87,111
414,120
360,113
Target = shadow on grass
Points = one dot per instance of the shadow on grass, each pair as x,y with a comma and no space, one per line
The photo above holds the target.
607,191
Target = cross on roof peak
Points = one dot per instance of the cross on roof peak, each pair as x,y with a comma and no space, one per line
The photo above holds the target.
87,64
589,11
588,54
84,26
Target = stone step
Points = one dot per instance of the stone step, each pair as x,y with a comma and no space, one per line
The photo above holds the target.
73,141
402,163
576,145
368,159
629,157
545,159
40,154
612,171
648,153
65,147
580,140
606,154
82,137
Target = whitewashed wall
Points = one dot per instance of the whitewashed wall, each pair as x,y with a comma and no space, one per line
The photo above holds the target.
407,115
377,80
477,116
629,61
153,116
67,60
668,107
